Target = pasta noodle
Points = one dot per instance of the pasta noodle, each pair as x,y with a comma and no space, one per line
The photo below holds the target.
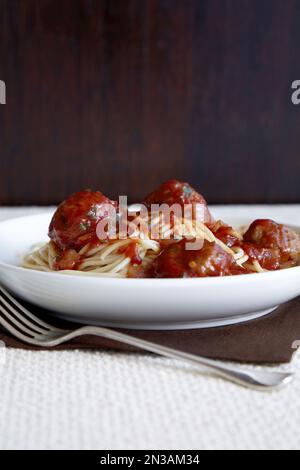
109,259
88,236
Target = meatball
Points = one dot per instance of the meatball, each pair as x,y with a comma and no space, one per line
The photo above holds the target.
175,192
273,245
210,260
75,220
269,234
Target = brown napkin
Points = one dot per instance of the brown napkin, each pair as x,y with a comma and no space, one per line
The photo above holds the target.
265,340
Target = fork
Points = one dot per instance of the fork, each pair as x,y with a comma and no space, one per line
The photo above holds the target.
27,327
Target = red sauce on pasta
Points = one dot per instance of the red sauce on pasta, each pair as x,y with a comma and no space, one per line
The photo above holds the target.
267,244
131,251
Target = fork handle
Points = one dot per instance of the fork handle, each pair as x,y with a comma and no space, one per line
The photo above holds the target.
257,379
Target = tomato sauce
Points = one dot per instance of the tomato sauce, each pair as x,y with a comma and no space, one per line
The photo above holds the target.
225,233
131,251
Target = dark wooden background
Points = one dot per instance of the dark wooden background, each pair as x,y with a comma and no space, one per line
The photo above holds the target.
122,94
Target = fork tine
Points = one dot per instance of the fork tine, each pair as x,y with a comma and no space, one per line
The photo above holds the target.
15,323
26,312
14,332
10,309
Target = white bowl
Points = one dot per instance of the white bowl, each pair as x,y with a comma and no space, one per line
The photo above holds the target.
138,303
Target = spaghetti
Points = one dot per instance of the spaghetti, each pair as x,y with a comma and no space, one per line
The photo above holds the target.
158,248
103,260
110,259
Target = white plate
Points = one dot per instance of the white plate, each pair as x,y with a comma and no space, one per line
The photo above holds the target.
138,303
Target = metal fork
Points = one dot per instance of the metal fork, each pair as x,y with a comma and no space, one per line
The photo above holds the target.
25,326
